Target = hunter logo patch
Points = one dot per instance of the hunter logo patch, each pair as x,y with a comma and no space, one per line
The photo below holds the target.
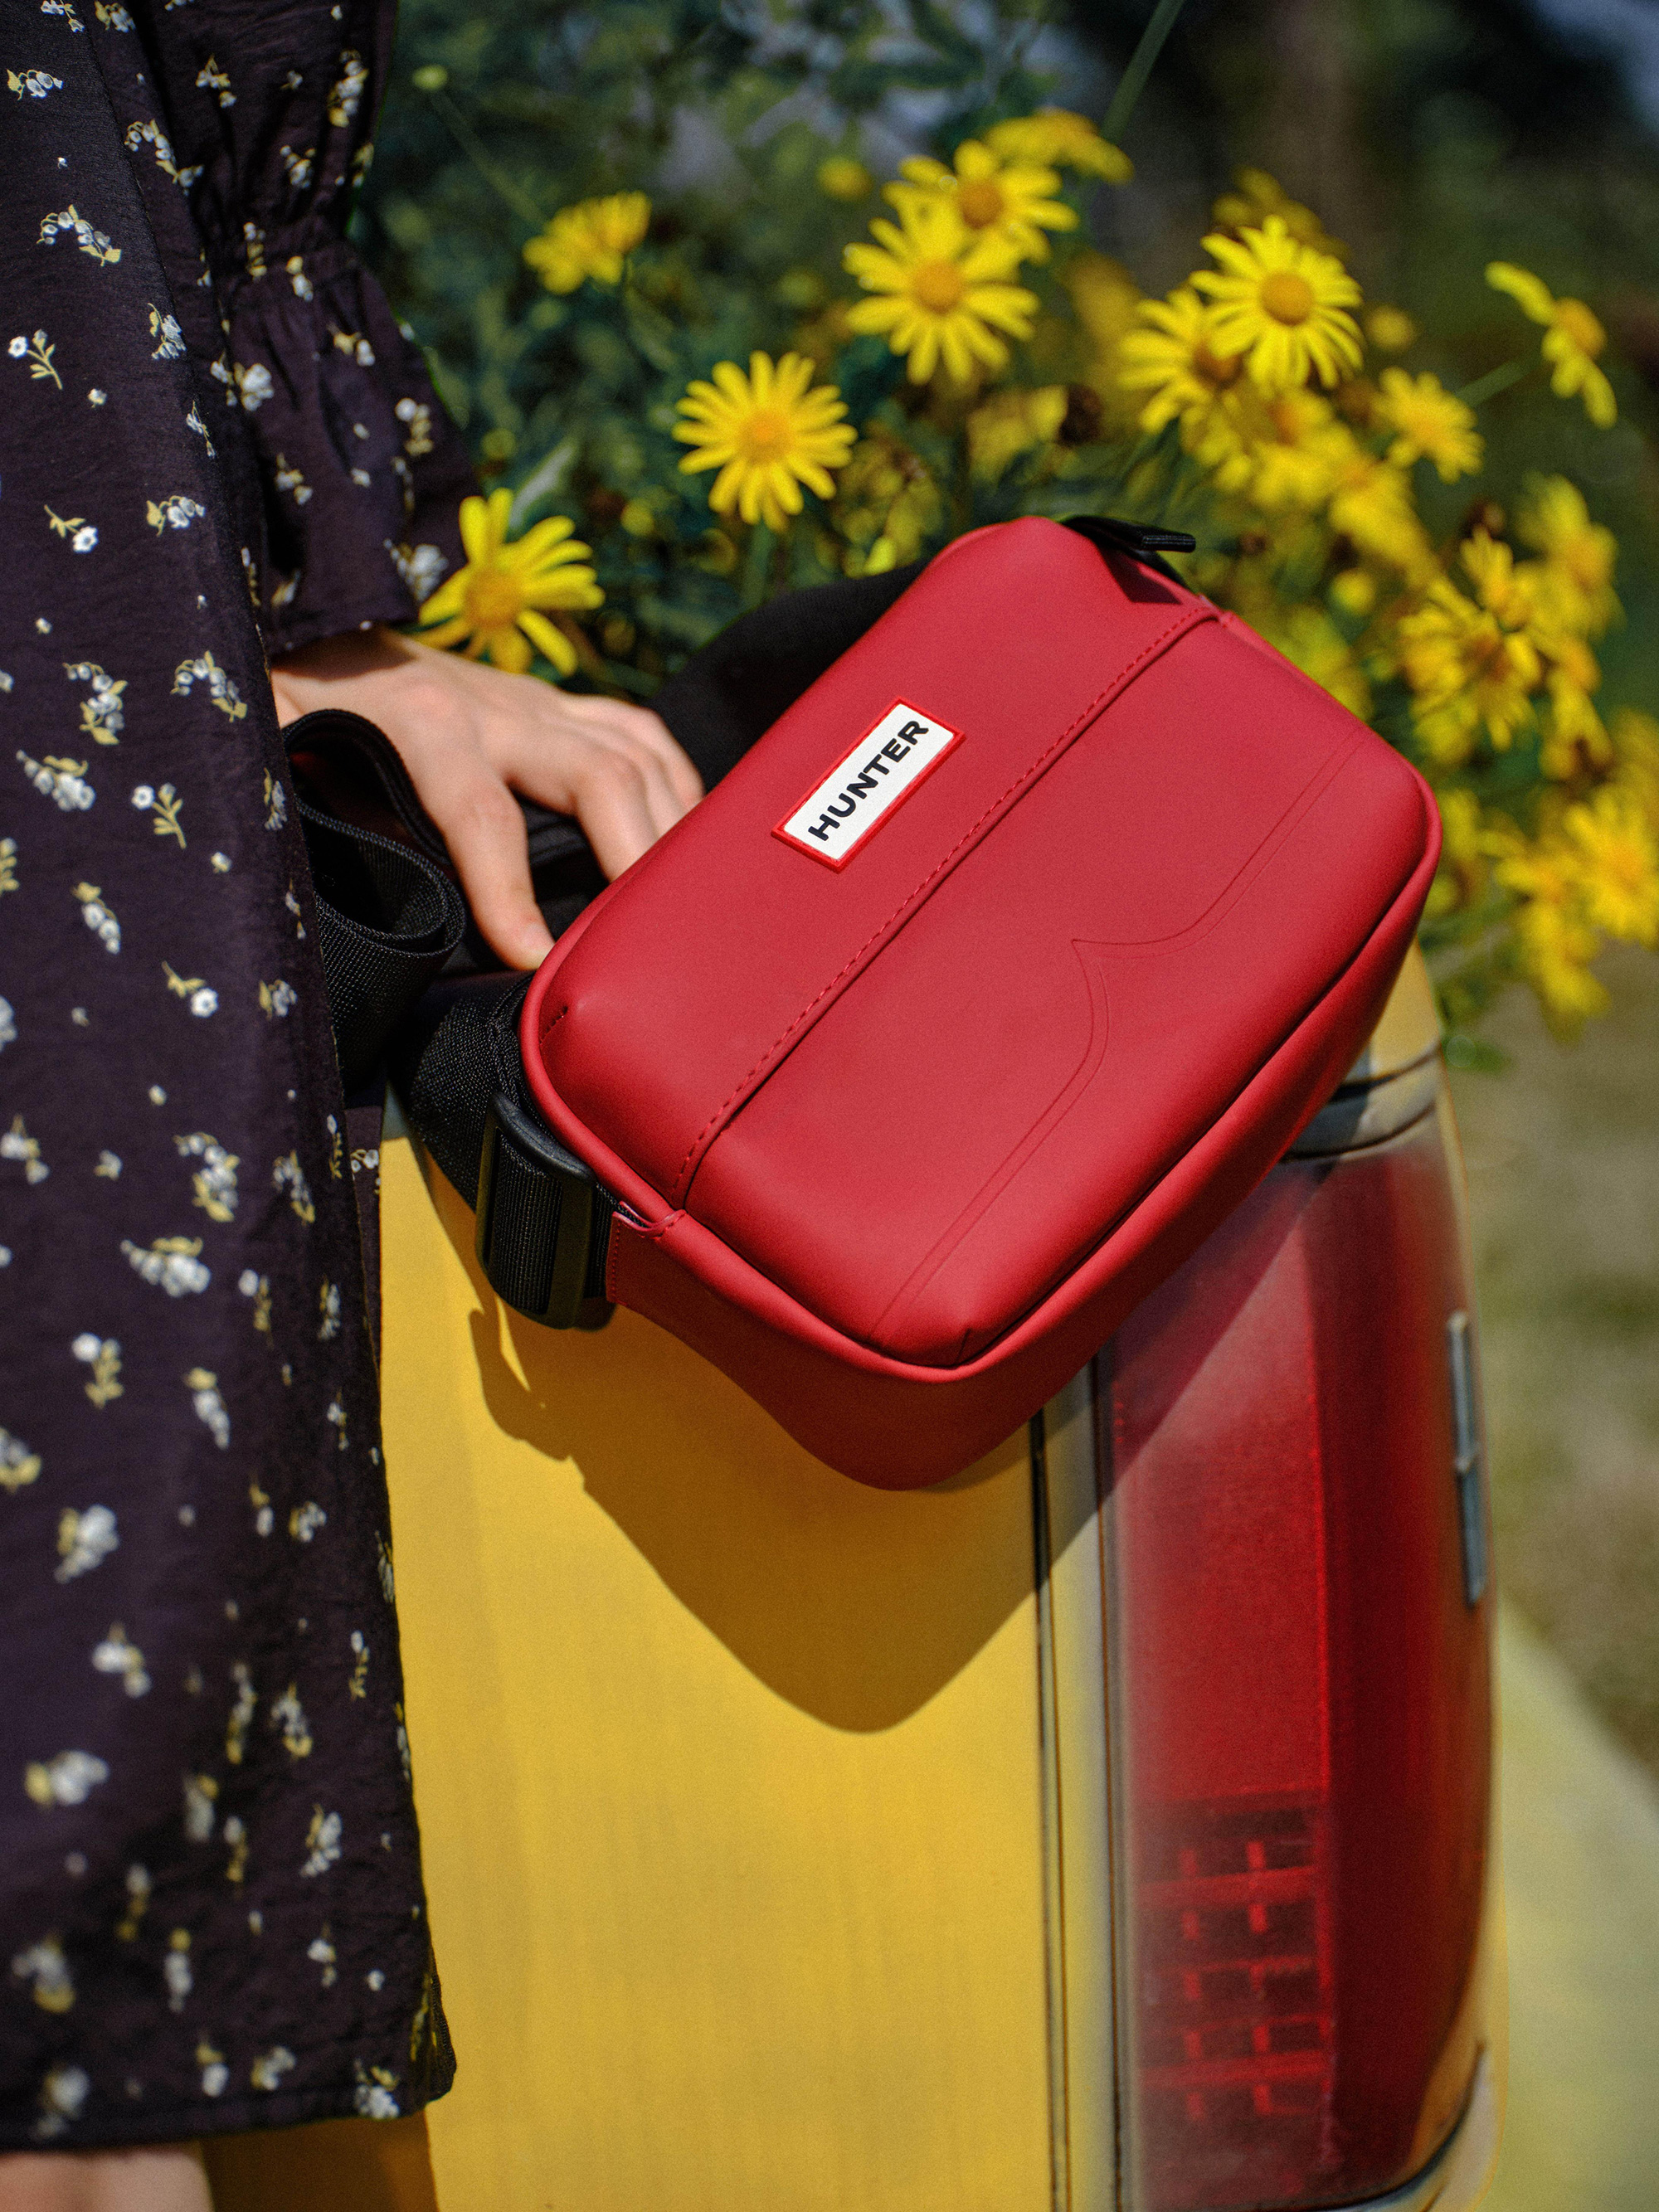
867,783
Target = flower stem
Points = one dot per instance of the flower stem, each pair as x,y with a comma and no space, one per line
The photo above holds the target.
472,146
1495,380
1132,82
755,567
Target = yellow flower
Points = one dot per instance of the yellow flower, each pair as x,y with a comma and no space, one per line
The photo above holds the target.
1059,139
942,291
1371,503
768,434
1283,305
844,178
1430,423
1313,641
593,239
1469,673
1555,947
1173,356
1014,199
1618,860
1573,340
1297,452
1257,195
1579,554
1390,330
1009,423
499,602
886,504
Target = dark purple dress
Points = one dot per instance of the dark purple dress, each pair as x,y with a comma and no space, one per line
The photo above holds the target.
211,431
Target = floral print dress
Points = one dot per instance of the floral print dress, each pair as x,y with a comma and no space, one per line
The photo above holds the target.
215,443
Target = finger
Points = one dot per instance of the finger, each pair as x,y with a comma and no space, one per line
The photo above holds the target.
639,727
619,793
485,833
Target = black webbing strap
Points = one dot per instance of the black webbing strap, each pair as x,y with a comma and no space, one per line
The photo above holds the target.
409,980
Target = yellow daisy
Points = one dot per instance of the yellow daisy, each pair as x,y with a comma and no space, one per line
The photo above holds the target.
1557,946
1010,423
590,239
1014,199
1255,196
1573,340
1172,356
1468,673
1618,860
1430,423
1390,330
942,291
500,601
1283,306
1059,139
1370,503
1298,453
844,178
887,504
1579,554
768,434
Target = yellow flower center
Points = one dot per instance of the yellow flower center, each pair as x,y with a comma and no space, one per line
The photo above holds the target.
493,599
1217,370
938,285
1581,326
1287,297
981,203
766,436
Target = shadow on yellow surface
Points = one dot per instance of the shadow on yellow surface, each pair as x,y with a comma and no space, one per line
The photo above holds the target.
339,2165
856,1605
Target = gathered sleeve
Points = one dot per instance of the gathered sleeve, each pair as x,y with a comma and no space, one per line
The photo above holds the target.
267,113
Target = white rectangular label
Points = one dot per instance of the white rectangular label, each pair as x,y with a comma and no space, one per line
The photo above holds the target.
867,783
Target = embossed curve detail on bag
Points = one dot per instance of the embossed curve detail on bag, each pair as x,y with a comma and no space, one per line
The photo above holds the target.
867,782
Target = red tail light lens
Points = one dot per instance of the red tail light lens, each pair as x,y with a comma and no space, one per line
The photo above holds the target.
1301,1686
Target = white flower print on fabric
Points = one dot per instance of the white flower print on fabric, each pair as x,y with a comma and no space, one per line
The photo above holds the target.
19,1466
290,479
84,1540
90,240
99,917
112,17
306,1519
277,998
263,1519
211,78
295,268
358,1685
215,1182
220,864
109,1164
62,8
204,669
288,1714
38,352
200,1792
287,1174
138,1886
276,802
17,1144
69,1779
45,1964
193,422
254,245
216,2075
254,384
33,83
298,165
8,1018
322,1843
175,1970
329,1302
420,567
83,535
241,1718
373,2098
257,1287
292,906
61,780
417,417
267,2071
118,1655
165,806
170,1264
164,329
200,997
236,1837
103,1355
8,864
321,1953
96,397
388,1580
151,134
65,2088
346,97
202,1385
176,512
102,716
336,1417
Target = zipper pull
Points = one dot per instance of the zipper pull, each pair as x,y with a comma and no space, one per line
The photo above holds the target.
1132,537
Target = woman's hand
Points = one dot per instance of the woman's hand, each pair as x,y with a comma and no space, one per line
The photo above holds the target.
472,736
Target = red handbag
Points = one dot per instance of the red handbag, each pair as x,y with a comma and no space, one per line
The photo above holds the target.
968,1004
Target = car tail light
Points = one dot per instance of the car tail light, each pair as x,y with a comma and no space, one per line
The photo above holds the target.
1300,1675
